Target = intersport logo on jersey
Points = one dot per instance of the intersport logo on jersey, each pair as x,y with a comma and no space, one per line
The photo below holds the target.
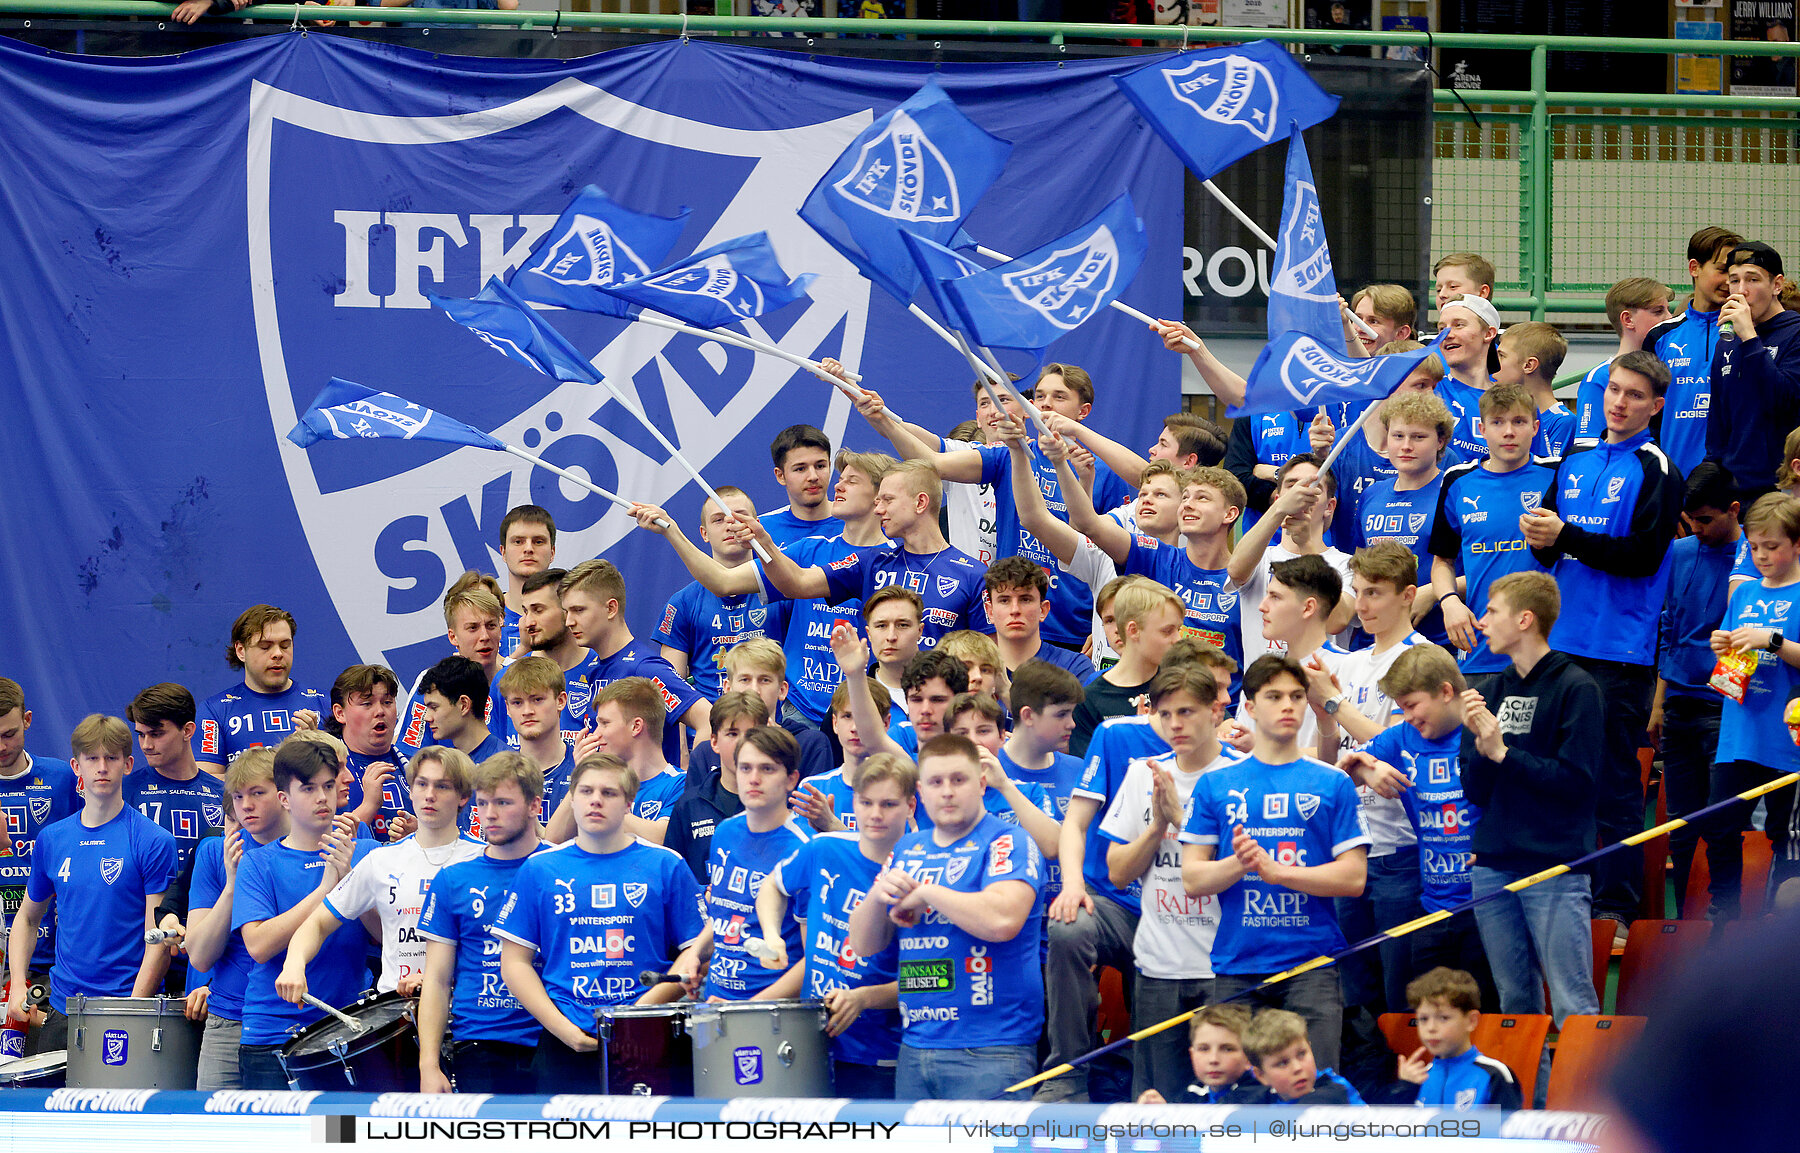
339,277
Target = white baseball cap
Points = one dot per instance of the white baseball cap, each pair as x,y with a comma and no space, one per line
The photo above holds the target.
1481,306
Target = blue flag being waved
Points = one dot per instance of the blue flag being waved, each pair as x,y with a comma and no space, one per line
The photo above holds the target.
1296,371
508,326
345,410
1303,295
1033,300
917,170
937,266
733,281
595,244
1218,106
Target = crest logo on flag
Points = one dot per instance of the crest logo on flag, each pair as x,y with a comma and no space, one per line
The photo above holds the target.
1307,263
1416,521
713,277
747,1062
1068,285
589,253
902,175
40,809
953,872
361,415
635,892
1309,368
1307,804
115,1047
1531,500
110,868
1230,90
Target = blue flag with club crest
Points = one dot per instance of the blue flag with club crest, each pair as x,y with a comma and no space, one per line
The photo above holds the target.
1218,106
595,243
345,410
1033,300
1303,295
733,281
1296,371
507,325
919,169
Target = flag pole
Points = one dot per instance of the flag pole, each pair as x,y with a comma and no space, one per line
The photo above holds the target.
982,371
1118,304
553,334
742,340
1243,218
573,479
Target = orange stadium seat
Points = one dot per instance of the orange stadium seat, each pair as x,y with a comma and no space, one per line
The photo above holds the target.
1585,1050
1758,857
1652,948
1515,1039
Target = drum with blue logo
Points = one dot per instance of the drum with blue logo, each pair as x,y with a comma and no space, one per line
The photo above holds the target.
760,1049
132,1043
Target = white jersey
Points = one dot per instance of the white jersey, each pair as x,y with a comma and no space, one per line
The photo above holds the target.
1252,591
1360,675
971,512
1094,568
392,881
1331,657
1175,931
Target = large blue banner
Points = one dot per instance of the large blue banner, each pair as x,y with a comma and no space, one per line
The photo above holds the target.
195,245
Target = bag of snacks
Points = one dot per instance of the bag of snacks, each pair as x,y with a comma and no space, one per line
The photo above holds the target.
1732,674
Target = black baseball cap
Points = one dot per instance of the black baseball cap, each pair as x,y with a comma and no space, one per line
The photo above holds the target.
1757,253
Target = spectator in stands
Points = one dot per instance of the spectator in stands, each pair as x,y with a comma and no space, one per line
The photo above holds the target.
1449,1070
1755,372
1282,1059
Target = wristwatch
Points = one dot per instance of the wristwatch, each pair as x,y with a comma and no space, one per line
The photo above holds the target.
1776,640
1335,703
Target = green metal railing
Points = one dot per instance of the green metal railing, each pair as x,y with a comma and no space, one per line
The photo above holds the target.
1754,138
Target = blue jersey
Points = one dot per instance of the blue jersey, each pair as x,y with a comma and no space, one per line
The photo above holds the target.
997,806
1556,429
1464,402
461,909
1625,501
785,528
1358,468
42,794
827,878
739,862
1590,402
599,919
396,798
951,583
556,784
958,991
834,785
1390,514
1056,784
509,631
185,808
1302,813
1741,564
271,881
637,660
579,687
1469,1081
705,626
1692,608
416,730
656,796
239,718
1756,730
231,972
1442,818
1115,744
1477,526
100,878
1071,601
1212,614
1686,344
1066,659
812,672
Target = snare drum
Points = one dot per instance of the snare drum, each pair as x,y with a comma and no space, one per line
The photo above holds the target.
44,1071
645,1050
132,1043
760,1049
380,1057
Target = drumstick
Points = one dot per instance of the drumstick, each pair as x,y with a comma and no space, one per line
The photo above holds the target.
652,977
346,1018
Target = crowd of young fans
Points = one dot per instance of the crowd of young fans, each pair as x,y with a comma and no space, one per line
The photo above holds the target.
1001,709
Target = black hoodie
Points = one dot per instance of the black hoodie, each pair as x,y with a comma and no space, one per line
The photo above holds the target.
1537,806
1755,401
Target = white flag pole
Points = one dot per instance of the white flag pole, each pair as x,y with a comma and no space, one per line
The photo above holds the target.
984,372
573,479
1118,304
726,336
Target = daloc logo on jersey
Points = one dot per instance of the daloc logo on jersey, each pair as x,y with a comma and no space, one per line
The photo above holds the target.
1230,90
1066,286
901,174
589,253
385,225
110,868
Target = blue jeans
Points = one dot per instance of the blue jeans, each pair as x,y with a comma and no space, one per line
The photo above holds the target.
1390,898
964,1074
1538,935
259,1067
1690,738
863,1082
